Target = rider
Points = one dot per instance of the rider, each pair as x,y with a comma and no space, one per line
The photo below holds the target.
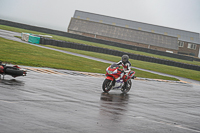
126,67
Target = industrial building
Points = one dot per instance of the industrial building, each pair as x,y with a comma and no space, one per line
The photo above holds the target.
135,33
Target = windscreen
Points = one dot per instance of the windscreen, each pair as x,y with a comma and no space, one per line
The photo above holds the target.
113,66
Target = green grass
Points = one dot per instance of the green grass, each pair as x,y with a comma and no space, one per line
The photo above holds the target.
98,45
141,64
24,54
181,72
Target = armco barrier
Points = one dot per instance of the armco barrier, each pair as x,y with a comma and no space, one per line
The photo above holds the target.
66,34
48,41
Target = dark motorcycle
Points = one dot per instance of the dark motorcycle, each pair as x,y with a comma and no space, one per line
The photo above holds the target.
13,71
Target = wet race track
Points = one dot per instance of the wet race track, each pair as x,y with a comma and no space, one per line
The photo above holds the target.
58,101
61,101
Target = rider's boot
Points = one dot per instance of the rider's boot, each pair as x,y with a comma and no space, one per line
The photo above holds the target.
124,86
125,77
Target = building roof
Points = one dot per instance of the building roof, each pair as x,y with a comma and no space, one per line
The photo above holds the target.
127,34
181,34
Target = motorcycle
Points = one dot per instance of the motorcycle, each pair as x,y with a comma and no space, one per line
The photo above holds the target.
13,71
115,79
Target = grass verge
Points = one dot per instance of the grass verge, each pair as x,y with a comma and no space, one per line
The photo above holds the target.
24,54
98,45
181,72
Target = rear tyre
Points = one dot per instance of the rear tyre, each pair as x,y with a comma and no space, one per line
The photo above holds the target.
128,87
107,85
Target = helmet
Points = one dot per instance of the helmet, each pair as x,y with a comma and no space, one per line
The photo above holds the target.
125,58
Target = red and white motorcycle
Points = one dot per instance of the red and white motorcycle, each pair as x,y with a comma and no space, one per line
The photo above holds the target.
115,79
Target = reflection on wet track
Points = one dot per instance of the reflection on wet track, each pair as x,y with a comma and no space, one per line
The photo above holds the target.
114,103
68,101
12,82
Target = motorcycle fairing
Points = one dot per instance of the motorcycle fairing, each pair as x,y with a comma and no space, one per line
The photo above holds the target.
131,74
1,69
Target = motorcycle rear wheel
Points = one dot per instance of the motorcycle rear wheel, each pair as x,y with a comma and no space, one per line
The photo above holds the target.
127,89
107,85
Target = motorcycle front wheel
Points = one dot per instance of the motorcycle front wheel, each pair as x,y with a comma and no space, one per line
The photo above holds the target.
127,89
107,85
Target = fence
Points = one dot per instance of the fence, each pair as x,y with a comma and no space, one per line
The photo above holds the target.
47,41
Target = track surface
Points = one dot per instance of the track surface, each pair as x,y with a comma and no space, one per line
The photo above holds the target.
57,101
66,101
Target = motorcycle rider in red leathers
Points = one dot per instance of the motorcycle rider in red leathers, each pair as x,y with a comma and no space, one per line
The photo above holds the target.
126,67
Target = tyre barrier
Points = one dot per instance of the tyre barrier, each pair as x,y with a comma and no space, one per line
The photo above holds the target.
48,41
196,59
116,44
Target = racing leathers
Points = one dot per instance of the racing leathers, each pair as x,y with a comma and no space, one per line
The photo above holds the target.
126,68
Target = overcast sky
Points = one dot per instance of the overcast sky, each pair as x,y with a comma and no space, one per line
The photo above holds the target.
56,14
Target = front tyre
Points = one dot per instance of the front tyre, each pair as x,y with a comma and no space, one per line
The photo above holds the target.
127,89
107,85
